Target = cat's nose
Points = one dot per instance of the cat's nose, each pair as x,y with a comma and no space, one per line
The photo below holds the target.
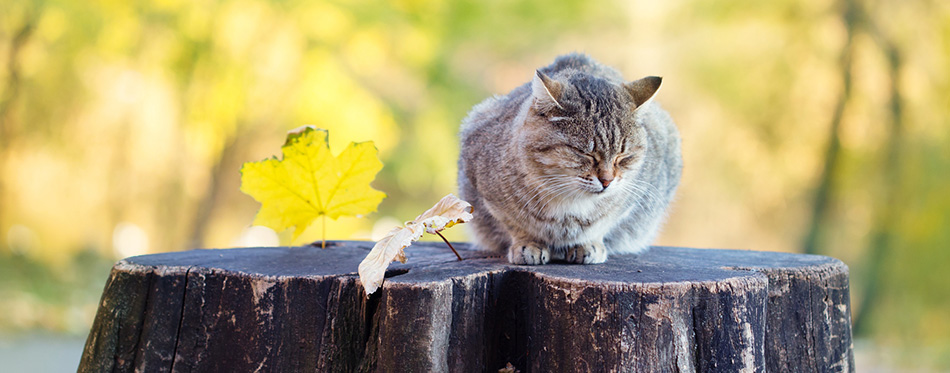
605,181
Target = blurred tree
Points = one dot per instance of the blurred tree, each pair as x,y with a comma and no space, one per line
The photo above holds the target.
850,15
873,75
856,19
25,23
123,125
808,125
891,196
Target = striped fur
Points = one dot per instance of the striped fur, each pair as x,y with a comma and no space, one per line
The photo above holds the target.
569,166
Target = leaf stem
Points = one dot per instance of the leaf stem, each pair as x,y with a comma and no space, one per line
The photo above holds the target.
450,246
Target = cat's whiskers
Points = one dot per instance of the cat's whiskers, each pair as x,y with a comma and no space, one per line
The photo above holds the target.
549,193
636,194
641,189
652,192
538,192
544,188
639,201
549,189
556,192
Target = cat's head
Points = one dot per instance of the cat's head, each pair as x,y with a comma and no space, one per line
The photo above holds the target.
580,132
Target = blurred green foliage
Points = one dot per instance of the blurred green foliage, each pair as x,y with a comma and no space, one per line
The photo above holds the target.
815,126
38,296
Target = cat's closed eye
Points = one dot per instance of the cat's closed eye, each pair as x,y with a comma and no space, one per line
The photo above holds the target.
624,160
549,182
580,153
628,157
564,155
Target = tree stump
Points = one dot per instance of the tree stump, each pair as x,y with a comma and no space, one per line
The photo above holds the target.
298,309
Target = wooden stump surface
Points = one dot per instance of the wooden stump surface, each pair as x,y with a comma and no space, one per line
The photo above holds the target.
298,309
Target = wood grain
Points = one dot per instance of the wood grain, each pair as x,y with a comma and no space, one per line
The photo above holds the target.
298,309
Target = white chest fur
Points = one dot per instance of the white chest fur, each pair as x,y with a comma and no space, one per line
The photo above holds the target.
563,222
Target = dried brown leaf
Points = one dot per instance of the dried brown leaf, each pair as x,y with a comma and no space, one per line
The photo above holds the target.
450,210
447,212
387,250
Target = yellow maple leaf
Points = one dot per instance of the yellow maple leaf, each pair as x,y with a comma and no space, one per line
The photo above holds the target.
450,210
310,183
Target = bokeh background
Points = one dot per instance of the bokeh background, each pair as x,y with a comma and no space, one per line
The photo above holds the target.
816,126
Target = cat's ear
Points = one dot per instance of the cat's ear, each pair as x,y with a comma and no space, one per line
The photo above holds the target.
643,90
546,91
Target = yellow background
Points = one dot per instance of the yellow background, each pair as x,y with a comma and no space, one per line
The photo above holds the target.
123,126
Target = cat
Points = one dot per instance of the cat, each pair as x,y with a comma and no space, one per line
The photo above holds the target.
571,166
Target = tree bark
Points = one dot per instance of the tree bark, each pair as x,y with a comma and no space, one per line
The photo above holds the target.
303,309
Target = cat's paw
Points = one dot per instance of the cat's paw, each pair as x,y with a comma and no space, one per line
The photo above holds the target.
528,254
588,253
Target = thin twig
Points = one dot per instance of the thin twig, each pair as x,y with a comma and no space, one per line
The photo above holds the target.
450,246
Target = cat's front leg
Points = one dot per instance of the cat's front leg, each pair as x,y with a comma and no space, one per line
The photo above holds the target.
587,253
530,253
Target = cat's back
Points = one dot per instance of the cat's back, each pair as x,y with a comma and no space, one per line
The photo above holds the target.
484,134
496,114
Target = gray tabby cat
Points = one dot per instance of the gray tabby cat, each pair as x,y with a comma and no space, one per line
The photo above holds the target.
573,165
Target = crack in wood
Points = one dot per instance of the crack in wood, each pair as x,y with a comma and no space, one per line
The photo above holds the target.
184,295
669,309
